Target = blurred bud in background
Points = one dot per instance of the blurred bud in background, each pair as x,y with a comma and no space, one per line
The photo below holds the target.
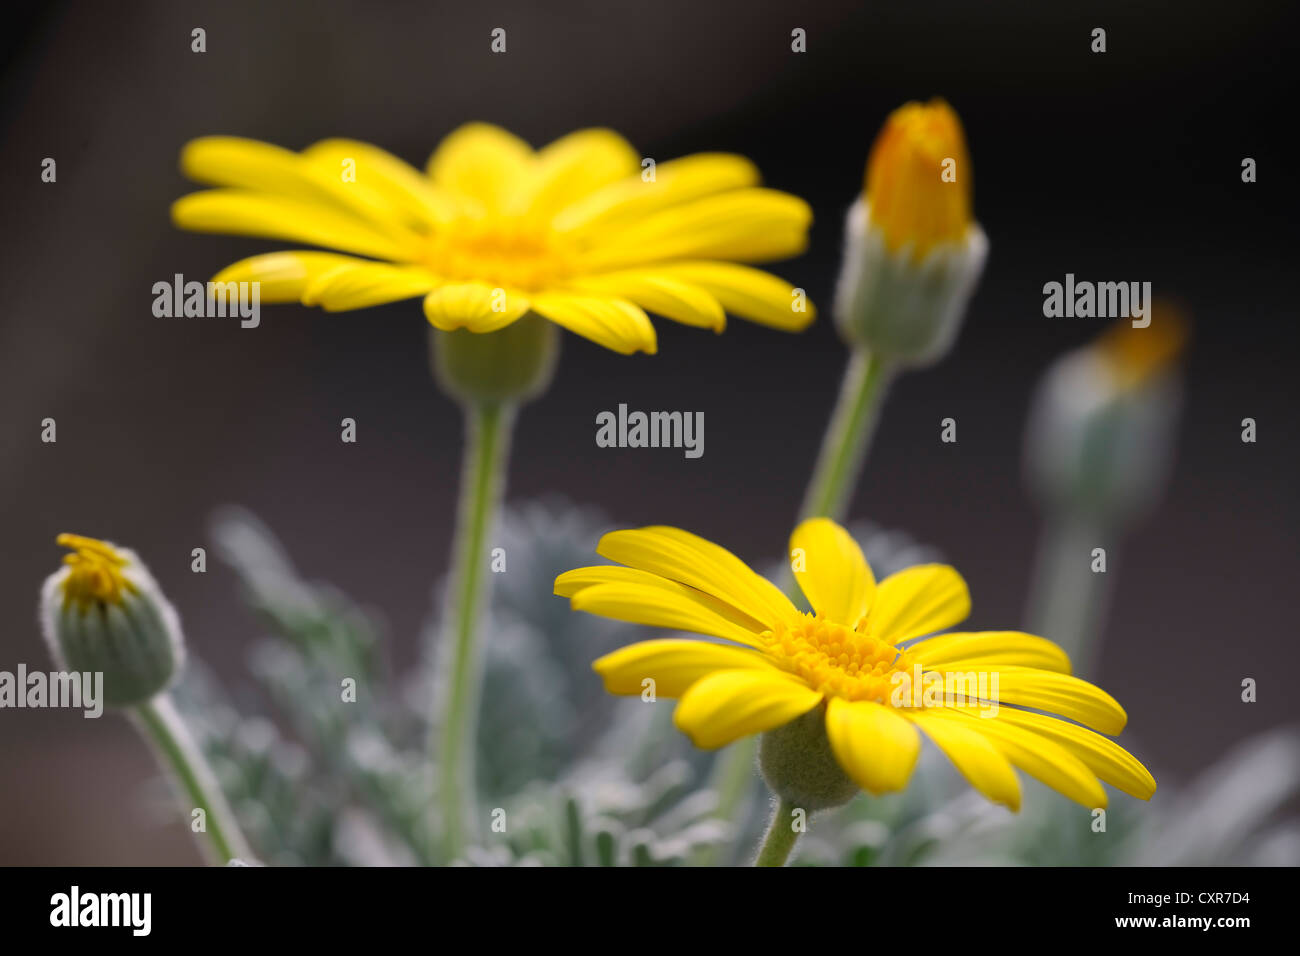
1098,452
1100,438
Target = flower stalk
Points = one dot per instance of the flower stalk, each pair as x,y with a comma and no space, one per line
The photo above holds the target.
490,375
488,428
780,838
1068,600
160,723
848,437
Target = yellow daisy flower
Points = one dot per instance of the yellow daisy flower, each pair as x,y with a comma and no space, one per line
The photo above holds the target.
852,664
577,232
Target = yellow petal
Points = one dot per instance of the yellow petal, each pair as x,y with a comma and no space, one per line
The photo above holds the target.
1107,759
1060,694
728,705
671,298
673,665
572,582
239,212
359,285
919,600
406,188
613,323
283,276
691,560
991,647
470,305
575,166
745,292
661,604
876,747
252,165
983,766
1037,756
484,163
675,181
836,578
246,163
745,225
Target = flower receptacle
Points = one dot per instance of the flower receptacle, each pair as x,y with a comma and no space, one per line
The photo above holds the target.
798,766
514,364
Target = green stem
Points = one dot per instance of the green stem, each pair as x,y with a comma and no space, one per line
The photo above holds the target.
781,837
844,449
488,426
166,731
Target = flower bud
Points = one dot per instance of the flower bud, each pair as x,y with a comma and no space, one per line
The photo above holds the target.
913,251
1100,437
102,612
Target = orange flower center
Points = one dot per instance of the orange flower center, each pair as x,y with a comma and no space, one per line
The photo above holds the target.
504,251
838,661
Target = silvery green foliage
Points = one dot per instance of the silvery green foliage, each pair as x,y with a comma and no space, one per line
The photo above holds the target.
360,786
280,798
356,788
1229,815
602,816
542,704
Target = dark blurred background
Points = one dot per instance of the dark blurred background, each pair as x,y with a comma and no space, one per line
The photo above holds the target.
1117,166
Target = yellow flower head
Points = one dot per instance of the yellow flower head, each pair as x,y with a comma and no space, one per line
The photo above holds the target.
578,232
855,661
918,178
96,571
